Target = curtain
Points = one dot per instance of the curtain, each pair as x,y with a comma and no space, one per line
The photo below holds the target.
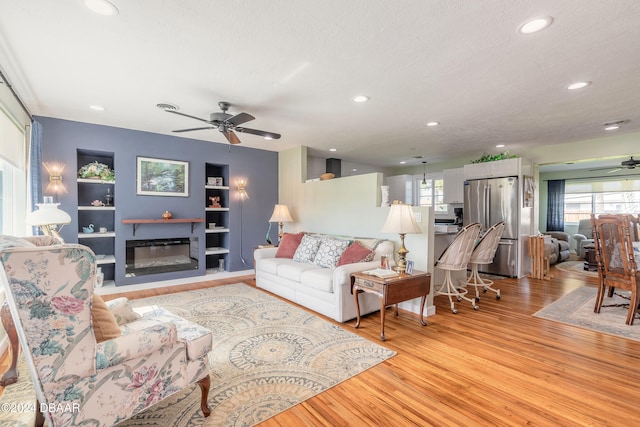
35,168
555,205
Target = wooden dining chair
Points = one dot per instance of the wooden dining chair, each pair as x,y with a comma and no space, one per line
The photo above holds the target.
617,267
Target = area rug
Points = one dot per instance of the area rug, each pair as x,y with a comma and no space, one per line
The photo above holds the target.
575,267
576,308
18,400
267,356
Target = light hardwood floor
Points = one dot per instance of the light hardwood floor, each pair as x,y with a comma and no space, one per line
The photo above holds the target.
495,366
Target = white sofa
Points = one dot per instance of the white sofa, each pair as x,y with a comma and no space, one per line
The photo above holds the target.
324,290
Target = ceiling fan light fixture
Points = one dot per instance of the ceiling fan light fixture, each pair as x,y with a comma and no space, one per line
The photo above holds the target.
166,106
535,24
101,7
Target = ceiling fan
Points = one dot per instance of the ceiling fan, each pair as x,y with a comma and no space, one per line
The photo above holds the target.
227,123
625,164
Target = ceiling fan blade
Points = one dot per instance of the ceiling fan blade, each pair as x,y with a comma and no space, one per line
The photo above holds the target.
231,137
190,129
187,115
262,133
240,118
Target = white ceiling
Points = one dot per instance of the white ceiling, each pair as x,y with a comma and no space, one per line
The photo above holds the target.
295,65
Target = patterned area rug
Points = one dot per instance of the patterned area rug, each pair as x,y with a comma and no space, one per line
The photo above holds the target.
575,267
18,400
576,308
267,357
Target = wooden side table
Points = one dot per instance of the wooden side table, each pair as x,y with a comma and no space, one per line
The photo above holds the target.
392,291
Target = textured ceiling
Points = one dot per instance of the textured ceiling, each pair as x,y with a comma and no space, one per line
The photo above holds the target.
295,65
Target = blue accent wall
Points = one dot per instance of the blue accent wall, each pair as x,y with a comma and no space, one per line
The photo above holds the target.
248,218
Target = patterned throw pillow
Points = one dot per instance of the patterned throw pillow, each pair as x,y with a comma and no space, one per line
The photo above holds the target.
307,249
330,251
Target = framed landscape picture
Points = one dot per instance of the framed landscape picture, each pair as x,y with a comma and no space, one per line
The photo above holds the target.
159,177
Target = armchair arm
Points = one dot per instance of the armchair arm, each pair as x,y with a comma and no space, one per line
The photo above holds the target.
579,238
135,344
262,253
342,274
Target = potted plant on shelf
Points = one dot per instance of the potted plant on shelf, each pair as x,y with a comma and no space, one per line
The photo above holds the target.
96,170
493,157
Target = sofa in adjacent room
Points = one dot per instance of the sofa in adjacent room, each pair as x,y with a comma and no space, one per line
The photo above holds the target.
314,270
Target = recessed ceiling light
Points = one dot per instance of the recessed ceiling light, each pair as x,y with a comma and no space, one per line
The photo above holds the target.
534,25
612,127
354,170
578,85
96,107
432,124
333,149
101,7
500,146
360,98
402,162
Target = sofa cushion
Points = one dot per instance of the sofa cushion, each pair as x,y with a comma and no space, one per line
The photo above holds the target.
356,253
288,245
330,251
319,278
105,326
293,270
270,265
307,249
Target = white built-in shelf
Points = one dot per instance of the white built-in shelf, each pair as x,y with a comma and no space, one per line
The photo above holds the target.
217,230
216,187
107,259
108,284
94,181
216,209
96,235
96,208
216,251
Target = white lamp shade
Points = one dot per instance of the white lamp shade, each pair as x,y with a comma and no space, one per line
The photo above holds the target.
280,214
401,220
48,214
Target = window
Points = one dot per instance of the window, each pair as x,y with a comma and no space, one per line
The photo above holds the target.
582,198
432,194
13,189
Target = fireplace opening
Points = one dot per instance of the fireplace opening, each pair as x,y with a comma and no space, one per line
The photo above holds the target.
160,256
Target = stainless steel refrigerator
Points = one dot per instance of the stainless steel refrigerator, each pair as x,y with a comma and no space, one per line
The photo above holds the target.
489,201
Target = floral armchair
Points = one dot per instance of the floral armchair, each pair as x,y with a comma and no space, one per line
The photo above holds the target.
78,380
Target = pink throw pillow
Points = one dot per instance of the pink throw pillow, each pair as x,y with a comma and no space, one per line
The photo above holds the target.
354,253
288,245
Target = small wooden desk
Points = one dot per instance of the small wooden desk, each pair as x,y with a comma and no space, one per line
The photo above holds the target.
392,291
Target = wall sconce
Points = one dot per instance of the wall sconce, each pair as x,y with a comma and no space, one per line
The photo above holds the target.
55,178
241,186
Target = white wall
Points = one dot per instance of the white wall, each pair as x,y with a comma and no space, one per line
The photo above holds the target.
348,206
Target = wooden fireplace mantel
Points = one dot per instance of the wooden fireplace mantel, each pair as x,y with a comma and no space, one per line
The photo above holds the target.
137,222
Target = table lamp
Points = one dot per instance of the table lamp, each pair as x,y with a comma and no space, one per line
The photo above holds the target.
48,217
401,220
280,215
